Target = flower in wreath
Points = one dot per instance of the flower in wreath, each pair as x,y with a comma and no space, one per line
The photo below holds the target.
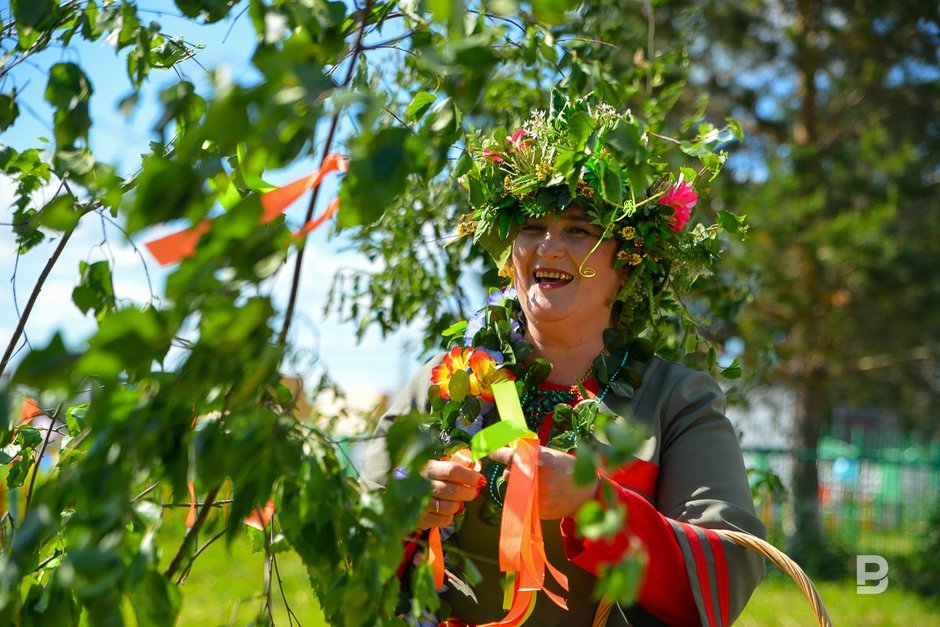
470,426
682,198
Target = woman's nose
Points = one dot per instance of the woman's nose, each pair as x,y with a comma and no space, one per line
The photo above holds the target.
550,246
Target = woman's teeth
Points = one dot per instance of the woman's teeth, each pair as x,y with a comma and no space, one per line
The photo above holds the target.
547,275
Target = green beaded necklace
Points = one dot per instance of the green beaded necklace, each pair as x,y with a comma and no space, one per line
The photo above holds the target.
536,404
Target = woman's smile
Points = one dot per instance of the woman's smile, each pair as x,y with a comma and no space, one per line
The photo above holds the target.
551,278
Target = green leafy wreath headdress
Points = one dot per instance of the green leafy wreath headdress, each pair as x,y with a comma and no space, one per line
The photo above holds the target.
618,170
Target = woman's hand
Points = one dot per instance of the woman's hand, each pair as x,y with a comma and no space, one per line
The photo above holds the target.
452,484
559,495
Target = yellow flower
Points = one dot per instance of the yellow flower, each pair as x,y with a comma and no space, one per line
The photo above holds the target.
585,190
627,233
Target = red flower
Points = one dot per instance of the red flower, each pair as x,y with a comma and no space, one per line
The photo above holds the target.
492,155
682,198
516,140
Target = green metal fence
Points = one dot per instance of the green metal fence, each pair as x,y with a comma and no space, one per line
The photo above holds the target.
874,498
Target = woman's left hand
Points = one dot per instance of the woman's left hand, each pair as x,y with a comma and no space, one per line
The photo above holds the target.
559,495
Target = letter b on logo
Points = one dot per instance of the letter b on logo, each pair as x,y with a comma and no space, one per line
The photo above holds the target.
864,574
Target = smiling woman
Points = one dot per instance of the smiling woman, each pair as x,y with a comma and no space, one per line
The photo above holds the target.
577,209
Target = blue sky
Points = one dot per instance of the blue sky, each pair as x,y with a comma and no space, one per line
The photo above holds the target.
375,365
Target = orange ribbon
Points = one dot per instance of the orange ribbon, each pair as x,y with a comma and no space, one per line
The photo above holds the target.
521,546
435,549
175,247
259,518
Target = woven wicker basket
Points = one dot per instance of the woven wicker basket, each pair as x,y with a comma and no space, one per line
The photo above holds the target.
769,551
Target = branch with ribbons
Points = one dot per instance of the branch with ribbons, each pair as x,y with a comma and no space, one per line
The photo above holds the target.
521,546
175,247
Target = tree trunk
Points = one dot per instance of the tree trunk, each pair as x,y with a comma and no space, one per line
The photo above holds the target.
811,412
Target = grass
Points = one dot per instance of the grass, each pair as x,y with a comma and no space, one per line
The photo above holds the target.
226,588
779,603
226,584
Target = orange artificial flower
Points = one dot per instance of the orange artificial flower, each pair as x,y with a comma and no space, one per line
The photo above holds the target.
486,373
457,359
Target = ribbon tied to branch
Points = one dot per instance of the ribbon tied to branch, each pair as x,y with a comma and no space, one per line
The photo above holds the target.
175,247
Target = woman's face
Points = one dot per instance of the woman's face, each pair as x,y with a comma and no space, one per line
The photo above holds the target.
546,257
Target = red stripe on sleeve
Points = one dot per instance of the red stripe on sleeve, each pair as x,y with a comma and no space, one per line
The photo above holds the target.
721,572
701,567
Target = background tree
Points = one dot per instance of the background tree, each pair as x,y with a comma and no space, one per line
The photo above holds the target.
839,180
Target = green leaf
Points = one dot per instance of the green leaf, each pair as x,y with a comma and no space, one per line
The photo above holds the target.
733,371
551,11
595,521
464,164
585,466
48,368
18,471
612,186
166,189
59,214
127,340
419,105
68,91
32,17
459,386
9,110
95,290
49,605
28,437
77,162
581,127
735,128
731,222
455,330
440,9
76,418
378,171
625,141
208,10
621,581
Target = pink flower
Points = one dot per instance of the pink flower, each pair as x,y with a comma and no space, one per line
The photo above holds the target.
492,155
682,198
516,140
